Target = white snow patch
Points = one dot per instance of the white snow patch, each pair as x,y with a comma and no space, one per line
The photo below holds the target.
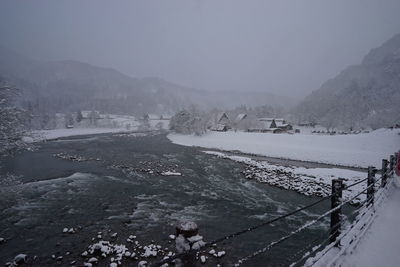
171,173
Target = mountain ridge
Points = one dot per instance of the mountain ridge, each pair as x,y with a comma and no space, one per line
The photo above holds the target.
116,91
360,96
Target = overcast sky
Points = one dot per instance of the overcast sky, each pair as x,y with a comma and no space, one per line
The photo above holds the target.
285,47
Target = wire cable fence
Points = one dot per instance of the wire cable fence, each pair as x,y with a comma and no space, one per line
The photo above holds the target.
361,224
335,236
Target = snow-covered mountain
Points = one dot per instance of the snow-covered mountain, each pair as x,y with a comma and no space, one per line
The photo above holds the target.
61,86
364,95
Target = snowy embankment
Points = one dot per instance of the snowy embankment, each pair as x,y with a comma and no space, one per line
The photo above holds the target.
373,239
380,244
307,181
58,133
361,150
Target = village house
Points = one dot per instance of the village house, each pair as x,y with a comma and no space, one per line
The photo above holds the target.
271,125
222,123
241,122
240,118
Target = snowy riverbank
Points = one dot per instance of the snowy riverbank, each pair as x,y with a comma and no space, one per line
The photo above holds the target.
306,181
59,133
360,150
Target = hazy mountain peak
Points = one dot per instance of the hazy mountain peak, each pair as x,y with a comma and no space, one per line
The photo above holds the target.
389,49
85,86
364,95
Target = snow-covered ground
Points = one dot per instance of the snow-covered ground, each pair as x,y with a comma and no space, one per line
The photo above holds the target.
360,150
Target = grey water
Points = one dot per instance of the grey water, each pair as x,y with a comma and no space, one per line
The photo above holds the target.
49,193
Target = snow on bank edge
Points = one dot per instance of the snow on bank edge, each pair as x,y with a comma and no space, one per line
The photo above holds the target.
58,133
306,181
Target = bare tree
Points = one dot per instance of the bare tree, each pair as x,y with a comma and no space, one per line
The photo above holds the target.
12,120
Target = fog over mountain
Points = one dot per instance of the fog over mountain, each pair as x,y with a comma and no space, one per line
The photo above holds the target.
283,47
364,95
67,86
158,56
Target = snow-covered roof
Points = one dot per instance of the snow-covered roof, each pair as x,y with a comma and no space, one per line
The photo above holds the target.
240,117
280,124
222,115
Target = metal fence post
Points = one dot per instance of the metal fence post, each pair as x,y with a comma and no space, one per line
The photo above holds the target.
370,182
337,188
384,172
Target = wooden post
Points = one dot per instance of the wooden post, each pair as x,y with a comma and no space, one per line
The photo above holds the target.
370,182
391,164
337,188
384,172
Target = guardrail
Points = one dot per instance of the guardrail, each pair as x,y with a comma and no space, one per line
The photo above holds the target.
188,257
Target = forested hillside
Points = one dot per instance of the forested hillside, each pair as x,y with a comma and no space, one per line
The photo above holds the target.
364,95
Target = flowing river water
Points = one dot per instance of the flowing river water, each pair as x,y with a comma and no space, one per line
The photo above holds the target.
113,191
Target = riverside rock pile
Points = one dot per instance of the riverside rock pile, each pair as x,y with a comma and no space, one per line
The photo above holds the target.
76,158
149,167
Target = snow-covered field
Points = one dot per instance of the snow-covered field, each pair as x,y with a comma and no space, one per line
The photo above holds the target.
360,150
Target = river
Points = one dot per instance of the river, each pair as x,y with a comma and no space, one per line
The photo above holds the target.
117,189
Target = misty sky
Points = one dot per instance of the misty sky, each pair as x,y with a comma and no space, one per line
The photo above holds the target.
285,47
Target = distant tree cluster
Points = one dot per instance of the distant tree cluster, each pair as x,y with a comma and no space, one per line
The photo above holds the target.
188,122
12,120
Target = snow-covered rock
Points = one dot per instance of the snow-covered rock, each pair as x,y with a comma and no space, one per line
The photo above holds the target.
20,258
203,259
181,244
93,260
149,251
220,254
